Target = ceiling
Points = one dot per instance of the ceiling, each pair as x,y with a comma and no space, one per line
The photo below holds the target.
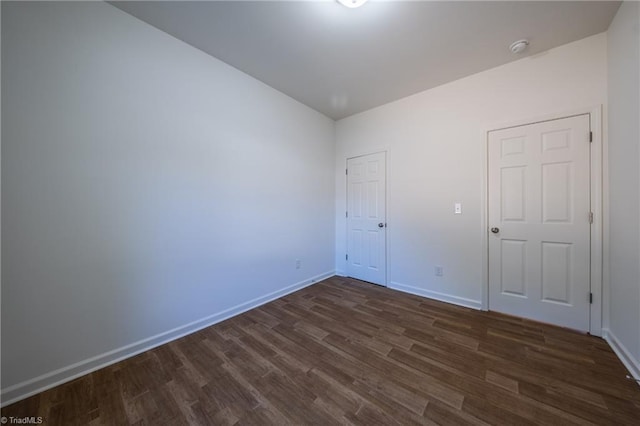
342,61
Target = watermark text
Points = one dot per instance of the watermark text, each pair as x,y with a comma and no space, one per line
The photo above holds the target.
27,420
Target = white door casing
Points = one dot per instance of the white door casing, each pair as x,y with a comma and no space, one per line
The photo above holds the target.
539,201
366,218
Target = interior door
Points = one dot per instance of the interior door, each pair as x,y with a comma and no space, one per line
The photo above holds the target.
366,218
540,221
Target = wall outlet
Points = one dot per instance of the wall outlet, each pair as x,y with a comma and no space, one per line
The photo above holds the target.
457,208
438,270
298,263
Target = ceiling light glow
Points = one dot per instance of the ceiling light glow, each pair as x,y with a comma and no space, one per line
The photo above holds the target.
352,3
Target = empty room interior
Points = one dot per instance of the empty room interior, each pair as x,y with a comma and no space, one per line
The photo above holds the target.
320,212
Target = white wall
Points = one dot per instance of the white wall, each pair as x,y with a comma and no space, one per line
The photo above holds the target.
147,190
624,181
436,143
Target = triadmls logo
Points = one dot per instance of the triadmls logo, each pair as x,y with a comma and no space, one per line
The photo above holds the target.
29,420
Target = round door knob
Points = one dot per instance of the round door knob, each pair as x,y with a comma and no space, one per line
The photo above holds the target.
495,230
381,225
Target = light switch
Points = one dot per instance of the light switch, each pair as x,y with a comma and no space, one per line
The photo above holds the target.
457,208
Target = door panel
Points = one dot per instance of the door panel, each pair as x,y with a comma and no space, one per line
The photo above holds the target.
512,278
556,193
539,200
512,184
366,204
556,272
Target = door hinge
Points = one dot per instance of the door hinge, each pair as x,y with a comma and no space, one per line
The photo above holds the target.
346,257
346,171
590,298
346,214
590,136
591,217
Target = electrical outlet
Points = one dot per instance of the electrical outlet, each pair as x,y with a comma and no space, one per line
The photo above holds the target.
438,271
457,208
298,263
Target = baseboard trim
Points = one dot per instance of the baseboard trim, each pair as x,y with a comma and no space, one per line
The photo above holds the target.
632,364
57,377
443,297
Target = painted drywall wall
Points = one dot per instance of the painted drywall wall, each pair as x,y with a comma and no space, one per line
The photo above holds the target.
147,189
624,181
436,145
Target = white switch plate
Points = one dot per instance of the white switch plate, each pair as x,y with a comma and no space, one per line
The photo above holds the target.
457,208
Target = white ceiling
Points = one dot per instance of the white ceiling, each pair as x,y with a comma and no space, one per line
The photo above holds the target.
342,61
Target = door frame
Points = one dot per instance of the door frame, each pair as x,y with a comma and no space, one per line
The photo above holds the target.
348,157
597,196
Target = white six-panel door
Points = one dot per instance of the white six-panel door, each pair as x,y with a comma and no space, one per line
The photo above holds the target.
539,221
366,218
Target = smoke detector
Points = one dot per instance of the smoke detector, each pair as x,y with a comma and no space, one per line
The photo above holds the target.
519,46
352,4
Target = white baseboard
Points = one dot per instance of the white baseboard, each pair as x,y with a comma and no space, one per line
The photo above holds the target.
54,378
629,361
443,297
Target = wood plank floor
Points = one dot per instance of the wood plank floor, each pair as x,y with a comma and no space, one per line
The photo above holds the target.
347,352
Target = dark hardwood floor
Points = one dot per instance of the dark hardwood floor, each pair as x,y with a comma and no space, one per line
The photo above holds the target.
347,352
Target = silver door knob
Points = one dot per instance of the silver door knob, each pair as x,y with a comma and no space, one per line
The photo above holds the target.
381,225
495,230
